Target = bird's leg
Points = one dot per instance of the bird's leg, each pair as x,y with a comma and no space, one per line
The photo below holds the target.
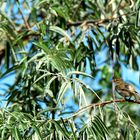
129,99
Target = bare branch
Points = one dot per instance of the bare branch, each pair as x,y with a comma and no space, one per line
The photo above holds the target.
98,22
101,104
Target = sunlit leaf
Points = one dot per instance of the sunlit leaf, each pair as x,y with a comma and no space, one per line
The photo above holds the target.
60,31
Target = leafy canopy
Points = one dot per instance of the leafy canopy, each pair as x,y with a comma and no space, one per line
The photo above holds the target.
62,55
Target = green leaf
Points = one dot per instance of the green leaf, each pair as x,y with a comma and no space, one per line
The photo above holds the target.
79,73
17,134
42,46
73,133
8,19
63,130
62,90
44,75
62,11
15,67
38,132
60,31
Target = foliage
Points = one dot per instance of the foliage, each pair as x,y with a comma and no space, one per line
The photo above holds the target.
63,55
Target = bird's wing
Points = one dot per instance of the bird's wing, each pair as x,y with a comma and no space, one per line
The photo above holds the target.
122,91
129,87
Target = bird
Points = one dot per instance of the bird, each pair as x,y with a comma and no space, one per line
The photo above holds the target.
125,89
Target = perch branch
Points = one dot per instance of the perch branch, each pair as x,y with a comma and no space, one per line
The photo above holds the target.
101,104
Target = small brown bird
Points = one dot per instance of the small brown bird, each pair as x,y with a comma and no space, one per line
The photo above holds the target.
125,89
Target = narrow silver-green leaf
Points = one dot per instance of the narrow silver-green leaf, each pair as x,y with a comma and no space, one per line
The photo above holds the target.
62,91
60,31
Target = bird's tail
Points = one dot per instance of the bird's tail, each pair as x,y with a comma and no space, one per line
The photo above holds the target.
137,96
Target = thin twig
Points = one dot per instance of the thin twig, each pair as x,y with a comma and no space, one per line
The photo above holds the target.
75,11
97,22
25,21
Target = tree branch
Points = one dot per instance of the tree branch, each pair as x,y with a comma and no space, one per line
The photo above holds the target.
97,22
101,104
